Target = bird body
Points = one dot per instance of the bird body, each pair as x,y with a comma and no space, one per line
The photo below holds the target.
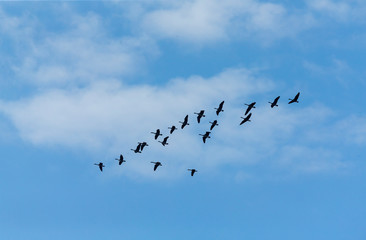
164,142
172,129
200,115
120,159
205,136
246,119
219,109
157,134
213,124
296,99
250,106
156,165
185,122
192,171
143,144
274,103
137,150
100,165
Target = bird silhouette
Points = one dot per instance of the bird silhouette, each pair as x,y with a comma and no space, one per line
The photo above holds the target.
250,106
295,100
246,119
172,129
143,144
219,109
200,115
156,165
137,150
157,133
274,103
192,171
213,124
205,136
164,142
101,166
120,159
185,122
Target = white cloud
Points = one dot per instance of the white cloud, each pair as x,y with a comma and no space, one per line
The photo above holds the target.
339,9
111,117
203,21
81,53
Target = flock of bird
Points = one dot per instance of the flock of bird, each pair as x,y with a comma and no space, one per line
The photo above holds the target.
141,145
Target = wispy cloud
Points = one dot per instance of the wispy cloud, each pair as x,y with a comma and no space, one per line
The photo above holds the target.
203,21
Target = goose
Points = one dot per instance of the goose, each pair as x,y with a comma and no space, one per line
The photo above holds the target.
157,133
164,142
250,106
101,166
185,122
192,171
156,165
120,159
246,119
200,115
274,103
205,136
219,109
213,124
295,100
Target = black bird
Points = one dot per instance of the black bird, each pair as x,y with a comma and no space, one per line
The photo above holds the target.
192,171
274,103
137,150
120,159
157,133
213,124
219,109
156,165
250,106
205,136
172,129
143,144
164,142
185,122
246,119
296,98
200,115
101,166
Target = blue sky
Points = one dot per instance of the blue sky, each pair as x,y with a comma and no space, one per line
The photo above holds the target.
82,82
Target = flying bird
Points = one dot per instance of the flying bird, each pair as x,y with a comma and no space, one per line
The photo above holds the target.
172,129
213,124
101,166
143,144
192,171
200,115
164,142
120,159
246,119
250,106
185,122
205,136
156,165
137,150
157,133
296,98
219,109
274,103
